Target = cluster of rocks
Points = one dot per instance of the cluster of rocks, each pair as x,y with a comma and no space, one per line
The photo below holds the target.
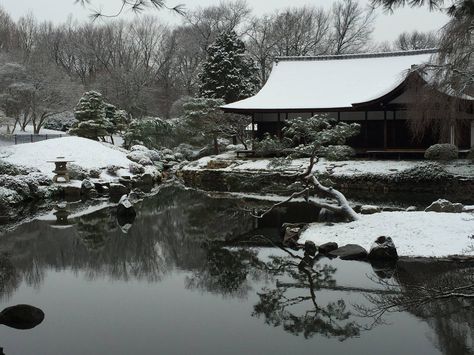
440,205
382,250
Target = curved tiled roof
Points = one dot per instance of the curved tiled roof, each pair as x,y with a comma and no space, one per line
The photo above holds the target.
330,82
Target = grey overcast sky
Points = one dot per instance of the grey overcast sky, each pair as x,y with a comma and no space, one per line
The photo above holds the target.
387,26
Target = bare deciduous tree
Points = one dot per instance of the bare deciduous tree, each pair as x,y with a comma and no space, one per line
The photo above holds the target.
301,31
352,26
416,40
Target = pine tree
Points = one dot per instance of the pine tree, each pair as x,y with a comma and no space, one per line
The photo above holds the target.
228,73
91,115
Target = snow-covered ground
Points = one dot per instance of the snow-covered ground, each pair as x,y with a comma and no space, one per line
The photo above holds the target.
339,168
29,130
84,152
427,234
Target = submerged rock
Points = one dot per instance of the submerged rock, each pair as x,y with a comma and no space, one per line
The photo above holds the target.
350,252
446,206
21,316
383,249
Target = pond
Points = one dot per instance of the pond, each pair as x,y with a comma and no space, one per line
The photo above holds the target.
187,278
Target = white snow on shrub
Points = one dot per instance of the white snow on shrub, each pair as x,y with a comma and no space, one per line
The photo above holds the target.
428,234
85,152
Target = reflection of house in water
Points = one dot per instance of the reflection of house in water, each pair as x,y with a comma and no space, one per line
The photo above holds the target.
372,90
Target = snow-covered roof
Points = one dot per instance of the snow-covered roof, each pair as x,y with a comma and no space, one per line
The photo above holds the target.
329,82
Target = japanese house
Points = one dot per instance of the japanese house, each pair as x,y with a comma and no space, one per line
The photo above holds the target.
370,89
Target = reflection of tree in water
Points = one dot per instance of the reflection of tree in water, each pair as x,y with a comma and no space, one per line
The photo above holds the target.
227,272
94,230
292,304
9,278
167,233
440,293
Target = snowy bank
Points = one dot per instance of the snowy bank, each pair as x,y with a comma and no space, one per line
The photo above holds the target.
350,168
425,234
87,153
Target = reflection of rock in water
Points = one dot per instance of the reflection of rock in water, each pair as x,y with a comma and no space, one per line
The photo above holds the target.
384,269
21,316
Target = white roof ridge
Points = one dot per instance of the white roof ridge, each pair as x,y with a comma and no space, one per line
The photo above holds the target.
357,55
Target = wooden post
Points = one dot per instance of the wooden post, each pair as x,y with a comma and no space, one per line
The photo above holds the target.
253,129
338,116
279,126
366,131
385,128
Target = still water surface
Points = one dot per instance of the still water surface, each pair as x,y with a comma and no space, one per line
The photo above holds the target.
180,282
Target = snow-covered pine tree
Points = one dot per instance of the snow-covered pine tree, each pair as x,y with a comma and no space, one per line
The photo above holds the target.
228,73
90,113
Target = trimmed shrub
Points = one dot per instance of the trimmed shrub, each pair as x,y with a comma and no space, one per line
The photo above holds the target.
470,155
443,151
430,172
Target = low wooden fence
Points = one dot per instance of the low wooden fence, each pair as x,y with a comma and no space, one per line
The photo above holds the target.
31,138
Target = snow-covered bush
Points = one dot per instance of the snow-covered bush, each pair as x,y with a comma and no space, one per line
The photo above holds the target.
112,169
94,173
16,184
337,152
152,132
269,146
186,150
90,113
136,169
77,172
8,198
302,136
443,151
7,168
61,121
431,172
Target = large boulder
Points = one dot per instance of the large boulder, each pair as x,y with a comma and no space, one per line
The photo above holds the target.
140,157
310,248
350,252
87,185
326,248
21,316
118,189
446,206
383,249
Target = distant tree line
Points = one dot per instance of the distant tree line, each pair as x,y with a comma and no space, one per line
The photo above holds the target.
145,67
